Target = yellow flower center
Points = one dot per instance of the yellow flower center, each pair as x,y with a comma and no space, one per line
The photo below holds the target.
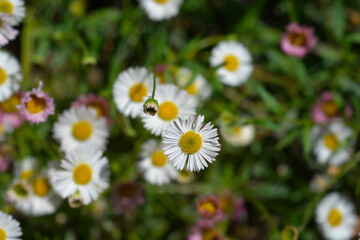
9,105
82,130
209,234
2,234
1,128
137,92
331,141
41,187
3,75
6,7
168,111
26,175
82,174
35,105
161,1
330,108
20,190
231,63
208,207
298,39
335,217
98,108
192,89
159,158
190,142
237,129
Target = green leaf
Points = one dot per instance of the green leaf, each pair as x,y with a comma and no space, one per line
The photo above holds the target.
306,139
337,19
268,99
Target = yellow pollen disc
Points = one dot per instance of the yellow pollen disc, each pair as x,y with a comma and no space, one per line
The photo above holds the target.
82,174
331,141
159,158
298,39
168,111
330,108
6,7
3,75
98,108
82,130
335,217
2,234
35,105
237,130
209,234
190,142
41,186
9,105
26,175
192,89
137,92
231,63
161,1
1,128
208,207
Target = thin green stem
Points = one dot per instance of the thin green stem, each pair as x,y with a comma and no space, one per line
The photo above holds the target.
154,87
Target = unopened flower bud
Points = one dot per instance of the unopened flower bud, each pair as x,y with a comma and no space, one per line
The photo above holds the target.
75,200
151,106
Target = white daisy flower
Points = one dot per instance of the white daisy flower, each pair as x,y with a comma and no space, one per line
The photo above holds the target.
328,143
238,135
19,193
84,170
7,32
26,168
10,75
15,10
43,199
199,87
173,103
189,141
161,9
131,88
155,165
9,228
336,217
78,127
237,62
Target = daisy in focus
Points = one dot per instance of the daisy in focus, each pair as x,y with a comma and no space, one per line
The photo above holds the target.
329,143
99,104
15,10
336,217
10,112
7,32
10,75
326,109
233,62
131,88
9,228
36,105
155,165
158,10
79,127
173,103
199,87
85,171
189,141
298,40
